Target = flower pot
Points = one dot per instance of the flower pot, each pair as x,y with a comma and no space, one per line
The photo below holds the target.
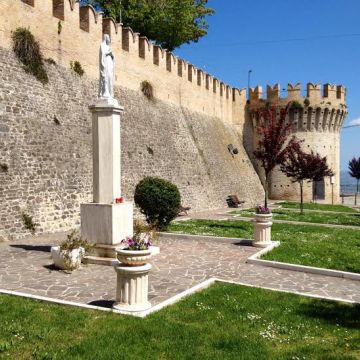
263,218
67,260
133,257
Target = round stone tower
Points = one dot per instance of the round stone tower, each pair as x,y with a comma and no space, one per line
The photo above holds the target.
317,119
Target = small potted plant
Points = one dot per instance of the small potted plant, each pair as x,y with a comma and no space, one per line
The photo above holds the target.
262,213
137,249
262,226
69,254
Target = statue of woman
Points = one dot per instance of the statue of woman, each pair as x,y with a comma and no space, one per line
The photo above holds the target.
107,65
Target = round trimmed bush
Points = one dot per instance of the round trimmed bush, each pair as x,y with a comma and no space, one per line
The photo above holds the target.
158,199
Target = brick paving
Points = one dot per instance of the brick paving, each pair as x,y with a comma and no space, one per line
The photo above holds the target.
25,266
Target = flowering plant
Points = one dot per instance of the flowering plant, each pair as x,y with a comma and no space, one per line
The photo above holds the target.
262,210
136,244
142,238
119,200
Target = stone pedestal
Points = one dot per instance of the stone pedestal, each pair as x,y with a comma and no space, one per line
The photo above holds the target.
106,151
262,230
105,226
132,288
104,223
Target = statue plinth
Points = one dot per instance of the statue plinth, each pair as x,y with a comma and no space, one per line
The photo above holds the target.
104,223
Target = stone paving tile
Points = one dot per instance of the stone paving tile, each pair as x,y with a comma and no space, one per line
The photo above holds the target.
26,267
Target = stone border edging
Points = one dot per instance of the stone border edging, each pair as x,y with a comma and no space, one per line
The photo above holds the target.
255,259
171,301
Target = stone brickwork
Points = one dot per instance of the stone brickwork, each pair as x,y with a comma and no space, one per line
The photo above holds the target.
67,32
316,119
45,140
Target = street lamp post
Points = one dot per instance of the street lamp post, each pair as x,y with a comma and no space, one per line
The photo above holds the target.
249,75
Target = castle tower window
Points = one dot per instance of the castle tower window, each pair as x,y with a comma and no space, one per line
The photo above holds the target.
214,85
180,68
190,72
142,48
168,61
84,19
156,51
58,9
125,39
199,77
29,2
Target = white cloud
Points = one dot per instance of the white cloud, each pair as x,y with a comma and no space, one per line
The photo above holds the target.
354,122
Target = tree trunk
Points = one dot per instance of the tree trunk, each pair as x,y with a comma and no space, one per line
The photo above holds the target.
301,198
266,190
357,190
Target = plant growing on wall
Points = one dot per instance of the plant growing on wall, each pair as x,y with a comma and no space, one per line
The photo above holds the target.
76,67
354,171
27,50
274,144
147,89
301,167
28,222
4,167
169,23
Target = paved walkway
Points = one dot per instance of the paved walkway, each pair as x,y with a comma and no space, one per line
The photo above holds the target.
25,266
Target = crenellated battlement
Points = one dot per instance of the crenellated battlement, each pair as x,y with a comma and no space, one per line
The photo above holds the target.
323,108
316,94
68,32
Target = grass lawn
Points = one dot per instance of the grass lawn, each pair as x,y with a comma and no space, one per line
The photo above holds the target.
321,207
222,322
318,246
352,219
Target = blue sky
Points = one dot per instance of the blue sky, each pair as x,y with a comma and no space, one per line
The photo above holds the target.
248,34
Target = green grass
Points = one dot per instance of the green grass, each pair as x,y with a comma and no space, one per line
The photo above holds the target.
317,246
321,207
351,219
222,322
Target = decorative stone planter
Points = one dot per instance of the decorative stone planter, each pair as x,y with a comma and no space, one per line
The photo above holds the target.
132,288
262,230
133,257
67,260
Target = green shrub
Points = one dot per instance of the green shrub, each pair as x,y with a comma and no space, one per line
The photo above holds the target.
306,102
27,50
159,200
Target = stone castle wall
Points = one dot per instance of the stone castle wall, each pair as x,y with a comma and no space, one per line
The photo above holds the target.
317,121
67,32
50,165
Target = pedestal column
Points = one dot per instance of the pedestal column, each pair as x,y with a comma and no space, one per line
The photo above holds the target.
104,223
262,230
132,288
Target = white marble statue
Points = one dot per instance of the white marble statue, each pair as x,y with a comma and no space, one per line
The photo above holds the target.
107,66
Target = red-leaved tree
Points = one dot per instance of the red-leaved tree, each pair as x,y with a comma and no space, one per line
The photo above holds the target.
301,166
274,145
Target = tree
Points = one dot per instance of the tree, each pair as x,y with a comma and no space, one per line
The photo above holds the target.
354,171
274,145
170,23
301,166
